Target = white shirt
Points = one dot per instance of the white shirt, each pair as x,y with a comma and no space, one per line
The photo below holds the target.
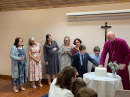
56,91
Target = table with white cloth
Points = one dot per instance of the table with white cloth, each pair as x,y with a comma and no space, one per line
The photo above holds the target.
104,86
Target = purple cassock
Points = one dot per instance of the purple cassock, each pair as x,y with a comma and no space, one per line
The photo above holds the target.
118,51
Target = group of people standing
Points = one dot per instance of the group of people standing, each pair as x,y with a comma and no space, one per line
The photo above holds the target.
57,58
19,63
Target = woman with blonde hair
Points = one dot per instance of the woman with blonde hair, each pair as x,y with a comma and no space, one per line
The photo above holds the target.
65,56
35,68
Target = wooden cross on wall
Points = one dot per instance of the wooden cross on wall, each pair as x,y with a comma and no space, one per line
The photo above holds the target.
106,27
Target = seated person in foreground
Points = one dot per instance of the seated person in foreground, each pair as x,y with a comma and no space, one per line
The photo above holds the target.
62,84
78,84
86,92
80,61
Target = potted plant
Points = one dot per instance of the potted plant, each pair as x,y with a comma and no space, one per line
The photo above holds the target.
114,67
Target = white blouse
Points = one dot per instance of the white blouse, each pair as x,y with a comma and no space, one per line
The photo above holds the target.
56,91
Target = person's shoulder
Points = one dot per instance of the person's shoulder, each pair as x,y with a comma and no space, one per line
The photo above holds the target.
76,54
44,45
54,41
37,43
92,55
13,47
86,53
62,46
107,42
29,46
23,47
71,46
68,93
74,48
64,92
120,39
54,81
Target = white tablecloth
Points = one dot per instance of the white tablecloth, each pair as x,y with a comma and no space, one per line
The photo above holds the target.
103,86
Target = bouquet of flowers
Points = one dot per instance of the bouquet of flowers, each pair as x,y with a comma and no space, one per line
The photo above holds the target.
114,67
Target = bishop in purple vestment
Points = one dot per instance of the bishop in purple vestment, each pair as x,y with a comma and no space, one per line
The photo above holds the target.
118,51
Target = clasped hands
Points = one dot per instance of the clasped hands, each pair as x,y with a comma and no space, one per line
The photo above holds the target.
21,59
66,51
37,60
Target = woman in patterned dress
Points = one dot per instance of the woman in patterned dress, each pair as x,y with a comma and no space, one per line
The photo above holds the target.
18,64
65,56
35,69
50,49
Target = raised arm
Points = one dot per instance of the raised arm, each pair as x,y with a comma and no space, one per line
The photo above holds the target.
93,61
70,52
93,58
57,48
61,51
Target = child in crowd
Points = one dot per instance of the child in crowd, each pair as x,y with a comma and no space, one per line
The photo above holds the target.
79,84
96,56
80,61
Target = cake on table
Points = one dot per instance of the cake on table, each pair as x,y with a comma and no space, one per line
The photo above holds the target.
100,71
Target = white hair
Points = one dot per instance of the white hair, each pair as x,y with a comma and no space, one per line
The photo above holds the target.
30,39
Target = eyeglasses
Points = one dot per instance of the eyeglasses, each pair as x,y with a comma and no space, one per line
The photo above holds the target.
66,40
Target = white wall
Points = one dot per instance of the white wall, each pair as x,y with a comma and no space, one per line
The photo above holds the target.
40,22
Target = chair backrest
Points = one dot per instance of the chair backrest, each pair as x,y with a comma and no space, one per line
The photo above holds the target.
122,93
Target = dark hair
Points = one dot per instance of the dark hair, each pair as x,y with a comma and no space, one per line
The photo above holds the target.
86,92
78,40
96,48
78,84
82,47
46,42
65,76
17,41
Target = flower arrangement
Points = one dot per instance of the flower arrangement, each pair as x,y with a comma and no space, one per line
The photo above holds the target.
114,67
